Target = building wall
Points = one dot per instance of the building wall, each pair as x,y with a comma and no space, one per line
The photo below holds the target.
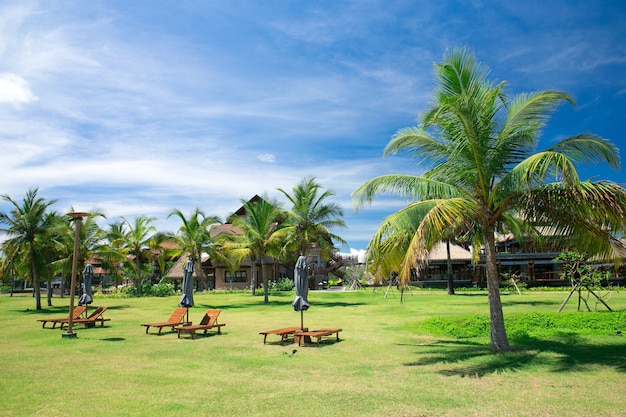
221,282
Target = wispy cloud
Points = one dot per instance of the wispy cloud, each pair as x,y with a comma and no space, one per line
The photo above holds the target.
137,109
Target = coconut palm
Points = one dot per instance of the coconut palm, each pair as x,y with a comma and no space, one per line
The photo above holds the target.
91,242
194,237
135,244
262,234
484,173
34,236
311,218
113,255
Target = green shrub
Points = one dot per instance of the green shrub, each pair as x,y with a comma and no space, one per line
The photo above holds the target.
128,291
162,289
283,284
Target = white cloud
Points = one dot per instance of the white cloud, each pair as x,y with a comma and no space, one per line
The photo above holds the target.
138,115
15,90
267,157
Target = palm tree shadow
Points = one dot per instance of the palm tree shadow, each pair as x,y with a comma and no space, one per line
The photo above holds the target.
564,354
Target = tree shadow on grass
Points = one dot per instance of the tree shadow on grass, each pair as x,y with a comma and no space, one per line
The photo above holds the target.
63,310
277,304
563,354
517,301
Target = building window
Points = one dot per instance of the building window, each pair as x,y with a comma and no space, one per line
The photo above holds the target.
239,276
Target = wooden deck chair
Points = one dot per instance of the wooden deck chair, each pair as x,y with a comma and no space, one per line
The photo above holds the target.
77,312
176,319
93,318
209,321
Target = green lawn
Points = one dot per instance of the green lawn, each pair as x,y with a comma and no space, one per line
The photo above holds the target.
383,366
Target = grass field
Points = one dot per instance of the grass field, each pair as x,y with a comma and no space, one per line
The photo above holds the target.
383,366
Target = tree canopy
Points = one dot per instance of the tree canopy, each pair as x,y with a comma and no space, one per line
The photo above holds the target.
484,173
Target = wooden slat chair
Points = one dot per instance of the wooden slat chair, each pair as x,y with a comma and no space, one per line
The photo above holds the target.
176,319
77,312
93,318
208,322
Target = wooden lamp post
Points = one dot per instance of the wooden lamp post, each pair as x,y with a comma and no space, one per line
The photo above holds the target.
78,218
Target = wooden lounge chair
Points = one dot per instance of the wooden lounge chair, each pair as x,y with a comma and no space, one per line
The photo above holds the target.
176,319
209,321
76,313
303,337
93,318
283,333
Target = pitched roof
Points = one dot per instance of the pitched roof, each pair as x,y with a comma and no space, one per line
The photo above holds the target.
457,253
176,271
224,228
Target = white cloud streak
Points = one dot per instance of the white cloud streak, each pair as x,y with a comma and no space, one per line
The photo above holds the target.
112,106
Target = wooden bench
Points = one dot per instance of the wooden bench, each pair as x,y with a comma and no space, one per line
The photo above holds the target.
284,333
301,337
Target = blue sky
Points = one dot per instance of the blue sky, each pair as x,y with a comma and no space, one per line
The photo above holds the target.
140,107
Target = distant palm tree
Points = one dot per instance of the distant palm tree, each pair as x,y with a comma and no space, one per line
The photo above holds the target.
34,236
91,239
484,173
113,255
160,253
91,242
194,237
262,235
311,219
135,245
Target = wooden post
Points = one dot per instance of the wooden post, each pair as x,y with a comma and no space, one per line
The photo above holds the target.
78,217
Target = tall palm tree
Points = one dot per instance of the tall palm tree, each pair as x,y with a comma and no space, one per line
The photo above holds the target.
135,244
158,246
113,255
90,243
485,173
34,236
194,237
263,232
311,218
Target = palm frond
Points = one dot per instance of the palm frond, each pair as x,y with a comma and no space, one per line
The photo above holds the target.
405,186
590,149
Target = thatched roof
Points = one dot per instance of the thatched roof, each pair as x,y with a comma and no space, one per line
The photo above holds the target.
177,271
224,228
457,253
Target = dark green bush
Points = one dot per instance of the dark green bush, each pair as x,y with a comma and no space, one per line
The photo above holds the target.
283,284
162,289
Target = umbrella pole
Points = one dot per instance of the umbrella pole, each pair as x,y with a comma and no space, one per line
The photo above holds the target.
301,319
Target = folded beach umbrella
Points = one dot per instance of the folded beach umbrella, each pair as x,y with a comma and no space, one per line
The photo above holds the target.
86,297
301,281
187,288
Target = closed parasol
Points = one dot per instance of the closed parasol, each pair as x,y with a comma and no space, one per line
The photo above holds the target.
301,281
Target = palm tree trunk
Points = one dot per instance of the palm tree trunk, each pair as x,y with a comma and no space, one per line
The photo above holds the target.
499,339
139,283
36,289
253,272
449,270
200,272
49,293
264,275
